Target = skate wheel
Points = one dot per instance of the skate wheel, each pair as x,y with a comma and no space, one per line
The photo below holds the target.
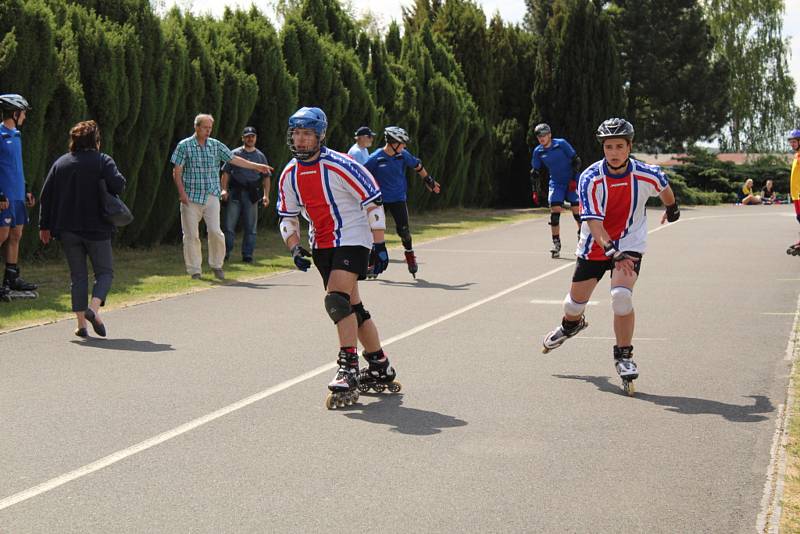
395,387
378,387
363,388
628,387
545,350
330,402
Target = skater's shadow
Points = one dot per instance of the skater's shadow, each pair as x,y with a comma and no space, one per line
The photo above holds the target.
689,405
129,345
389,410
424,284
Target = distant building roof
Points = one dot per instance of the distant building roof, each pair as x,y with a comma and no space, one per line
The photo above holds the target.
673,159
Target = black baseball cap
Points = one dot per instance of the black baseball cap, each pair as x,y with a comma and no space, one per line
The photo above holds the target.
364,130
249,130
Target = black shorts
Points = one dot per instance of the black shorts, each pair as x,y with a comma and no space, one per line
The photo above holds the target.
353,259
588,269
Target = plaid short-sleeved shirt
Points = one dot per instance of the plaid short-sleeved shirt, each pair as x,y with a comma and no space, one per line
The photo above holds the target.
201,165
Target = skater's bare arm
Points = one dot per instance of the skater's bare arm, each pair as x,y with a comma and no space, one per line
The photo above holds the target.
671,213
599,233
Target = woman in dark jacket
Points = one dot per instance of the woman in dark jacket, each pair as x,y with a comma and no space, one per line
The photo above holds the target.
71,212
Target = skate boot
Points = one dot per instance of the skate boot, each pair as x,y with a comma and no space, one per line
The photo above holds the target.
794,250
555,252
344,386
626,368
557,337
411,260
5,294
379,375
14,282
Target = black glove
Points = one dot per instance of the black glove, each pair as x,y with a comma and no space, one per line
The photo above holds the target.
299,261
673,212
430,183
380,257
617,255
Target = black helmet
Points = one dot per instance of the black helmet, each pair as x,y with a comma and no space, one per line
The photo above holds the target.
13,102
615,127
396,134
541,129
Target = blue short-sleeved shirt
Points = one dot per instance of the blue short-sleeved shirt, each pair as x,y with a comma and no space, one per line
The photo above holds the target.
390,173
12,179
558,160
359,154
201,165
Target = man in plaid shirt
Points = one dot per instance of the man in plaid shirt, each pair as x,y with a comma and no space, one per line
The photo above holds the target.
197,160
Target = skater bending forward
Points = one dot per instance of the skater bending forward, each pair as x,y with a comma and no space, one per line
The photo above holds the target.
342,203
613,193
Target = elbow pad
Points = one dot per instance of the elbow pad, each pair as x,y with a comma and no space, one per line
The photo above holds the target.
289,227
576,164
377,219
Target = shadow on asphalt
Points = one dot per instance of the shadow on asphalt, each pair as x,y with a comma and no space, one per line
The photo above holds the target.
388,410
131,345
424,284
689,405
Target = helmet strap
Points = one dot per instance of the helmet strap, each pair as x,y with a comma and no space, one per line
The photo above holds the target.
623,166
394,147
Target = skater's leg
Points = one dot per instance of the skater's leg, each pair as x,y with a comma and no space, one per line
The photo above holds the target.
367,331
555,217
579,295
340,284
622,284
576,215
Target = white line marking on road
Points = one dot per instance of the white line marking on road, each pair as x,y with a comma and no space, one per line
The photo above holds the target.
769,517
478,251
538,301
122,454
613,338
788,279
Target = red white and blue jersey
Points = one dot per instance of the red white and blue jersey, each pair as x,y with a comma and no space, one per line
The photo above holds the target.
332,193
619,201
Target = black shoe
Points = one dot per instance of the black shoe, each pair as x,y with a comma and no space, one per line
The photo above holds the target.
18,284
247,260
81,332
98,327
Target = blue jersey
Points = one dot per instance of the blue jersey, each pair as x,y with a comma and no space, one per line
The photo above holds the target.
390,172
12,179
558,160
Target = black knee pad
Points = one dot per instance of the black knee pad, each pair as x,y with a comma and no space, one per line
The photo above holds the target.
576,216
798,218
337,304
554,218
362,315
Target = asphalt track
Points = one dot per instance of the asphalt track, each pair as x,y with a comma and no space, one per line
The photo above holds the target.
204,413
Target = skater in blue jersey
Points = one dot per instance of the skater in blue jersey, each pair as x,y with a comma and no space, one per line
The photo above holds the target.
555,157
388,165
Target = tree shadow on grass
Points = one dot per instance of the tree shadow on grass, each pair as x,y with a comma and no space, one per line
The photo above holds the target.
389,410
689,405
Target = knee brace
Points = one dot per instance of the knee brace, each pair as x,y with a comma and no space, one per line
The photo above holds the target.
337,304
573,308
362,315
621,300
554,218
577,217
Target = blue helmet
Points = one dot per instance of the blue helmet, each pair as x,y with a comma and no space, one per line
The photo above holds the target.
312,119
794,134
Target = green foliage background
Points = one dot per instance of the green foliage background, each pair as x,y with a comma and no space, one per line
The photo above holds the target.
468,89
